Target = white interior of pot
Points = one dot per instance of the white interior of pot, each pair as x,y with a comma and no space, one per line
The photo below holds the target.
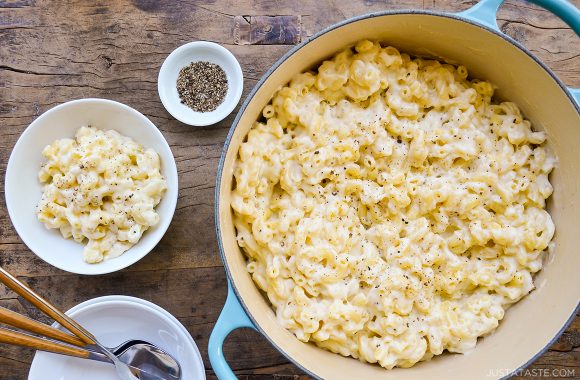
531,324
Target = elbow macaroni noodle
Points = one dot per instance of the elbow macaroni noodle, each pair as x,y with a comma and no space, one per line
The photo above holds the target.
103,187
389,209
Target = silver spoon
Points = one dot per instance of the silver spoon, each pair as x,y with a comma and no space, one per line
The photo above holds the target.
153,362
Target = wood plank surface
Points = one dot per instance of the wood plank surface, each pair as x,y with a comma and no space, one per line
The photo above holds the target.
55,51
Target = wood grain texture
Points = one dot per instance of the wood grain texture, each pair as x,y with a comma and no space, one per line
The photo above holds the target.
55,51
267,30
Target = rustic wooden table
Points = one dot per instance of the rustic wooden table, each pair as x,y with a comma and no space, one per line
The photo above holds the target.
54,51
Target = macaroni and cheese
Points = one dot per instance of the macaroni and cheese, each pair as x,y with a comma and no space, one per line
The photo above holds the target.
389,209
103,187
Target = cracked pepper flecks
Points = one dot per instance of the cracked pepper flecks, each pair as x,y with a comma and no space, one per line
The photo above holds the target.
202,86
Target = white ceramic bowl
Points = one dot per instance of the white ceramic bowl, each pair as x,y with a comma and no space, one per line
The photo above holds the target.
114,320
23,190
183,56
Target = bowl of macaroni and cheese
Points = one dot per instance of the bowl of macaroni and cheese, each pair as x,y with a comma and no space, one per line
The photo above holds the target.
91,186
392,200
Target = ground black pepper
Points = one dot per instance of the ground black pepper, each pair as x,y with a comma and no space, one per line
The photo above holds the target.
202,86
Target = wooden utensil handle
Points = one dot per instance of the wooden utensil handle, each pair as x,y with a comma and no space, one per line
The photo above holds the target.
21,339
47,308
14,319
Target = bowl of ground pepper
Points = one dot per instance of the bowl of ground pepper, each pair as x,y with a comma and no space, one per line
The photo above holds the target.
200,83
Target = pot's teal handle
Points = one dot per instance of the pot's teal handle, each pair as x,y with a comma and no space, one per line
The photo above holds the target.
575,94
232,317
485,12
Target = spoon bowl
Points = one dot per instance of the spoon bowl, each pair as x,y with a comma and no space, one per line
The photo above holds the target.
149,358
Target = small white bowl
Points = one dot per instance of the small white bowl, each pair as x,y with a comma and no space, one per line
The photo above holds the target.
183,56
114,320
23,189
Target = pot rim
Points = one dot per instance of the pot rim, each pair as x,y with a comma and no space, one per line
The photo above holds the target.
267,75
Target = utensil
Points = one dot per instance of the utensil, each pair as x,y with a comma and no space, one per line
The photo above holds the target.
23,190
473,39
156,363
183,56
149,358
115,319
